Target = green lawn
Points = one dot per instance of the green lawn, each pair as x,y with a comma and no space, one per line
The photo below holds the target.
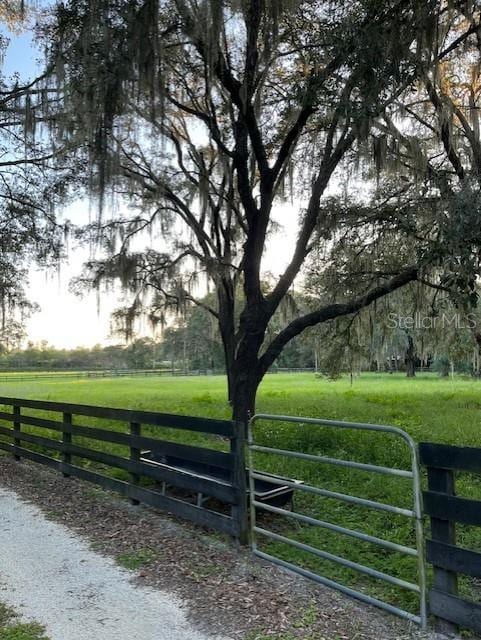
426,406
429,408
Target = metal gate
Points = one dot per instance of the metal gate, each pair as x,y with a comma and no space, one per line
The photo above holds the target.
414,514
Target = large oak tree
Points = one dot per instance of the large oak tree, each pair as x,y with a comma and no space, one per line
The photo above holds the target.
202,116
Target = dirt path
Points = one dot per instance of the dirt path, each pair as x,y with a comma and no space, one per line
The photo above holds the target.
226,593
51,576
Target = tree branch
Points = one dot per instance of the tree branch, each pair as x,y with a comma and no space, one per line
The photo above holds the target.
445,130
332,311
310,219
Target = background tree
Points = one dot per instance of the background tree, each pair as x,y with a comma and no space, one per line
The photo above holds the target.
433,134
429,138
141,354
32,182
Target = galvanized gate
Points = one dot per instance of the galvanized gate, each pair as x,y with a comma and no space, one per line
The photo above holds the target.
414,514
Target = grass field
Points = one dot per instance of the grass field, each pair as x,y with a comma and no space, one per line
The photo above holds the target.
428,407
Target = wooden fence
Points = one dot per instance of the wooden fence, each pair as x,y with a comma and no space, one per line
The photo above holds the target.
448,559
230,492
65,374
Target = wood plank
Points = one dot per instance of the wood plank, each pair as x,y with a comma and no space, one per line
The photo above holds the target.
443,456
33,420
135,430
239,509
32,455
16,427
190,423
67,439
221,491
198,515
444,530
464,510
33,439
452,558
105,435
187,452
461,612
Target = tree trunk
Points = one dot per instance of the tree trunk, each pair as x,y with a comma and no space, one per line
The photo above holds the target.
246,383
229,360
477,358
225,297
410,358
241,352
410,368
246,369
241,360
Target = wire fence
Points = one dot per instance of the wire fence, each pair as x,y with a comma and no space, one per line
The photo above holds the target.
30,376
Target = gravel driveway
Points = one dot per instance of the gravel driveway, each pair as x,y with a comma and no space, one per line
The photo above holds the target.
51,576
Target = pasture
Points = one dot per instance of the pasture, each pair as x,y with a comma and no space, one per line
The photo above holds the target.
428,407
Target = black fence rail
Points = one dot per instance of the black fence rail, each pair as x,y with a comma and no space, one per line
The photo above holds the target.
107,373
74,375
445,510
230,492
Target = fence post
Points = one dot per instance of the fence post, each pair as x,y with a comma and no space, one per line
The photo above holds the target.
239,511
16,427
442,481
67,440
135,430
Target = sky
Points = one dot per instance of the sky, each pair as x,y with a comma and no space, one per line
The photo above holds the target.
65,320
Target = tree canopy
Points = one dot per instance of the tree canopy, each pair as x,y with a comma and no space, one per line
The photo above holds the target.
201,117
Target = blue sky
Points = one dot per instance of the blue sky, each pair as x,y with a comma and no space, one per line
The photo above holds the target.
20,56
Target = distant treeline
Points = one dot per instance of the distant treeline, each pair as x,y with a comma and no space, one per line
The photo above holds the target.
182,349
143,353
